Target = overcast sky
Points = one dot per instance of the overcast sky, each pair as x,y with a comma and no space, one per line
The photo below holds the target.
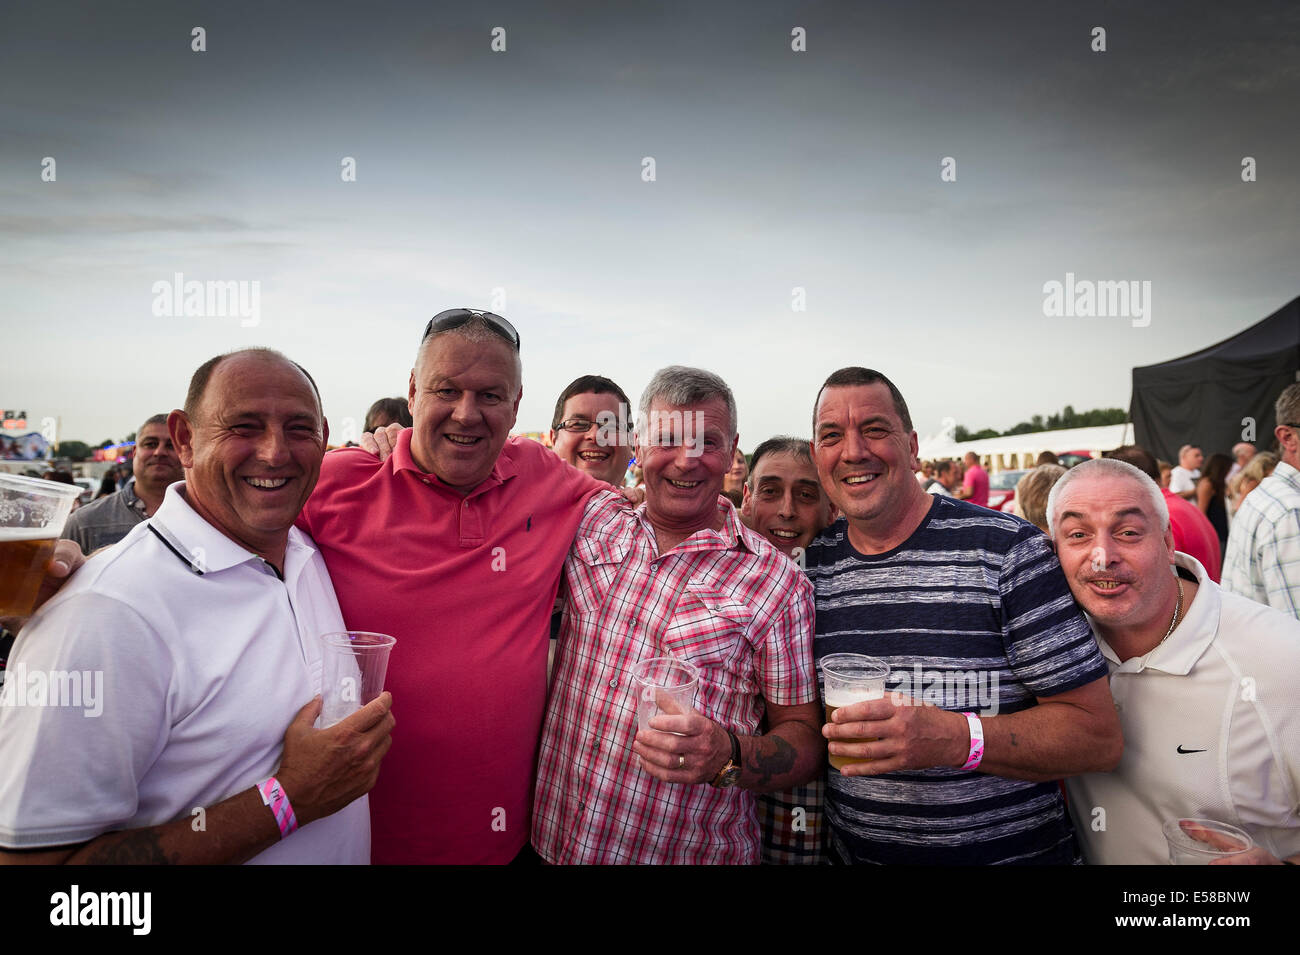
522,171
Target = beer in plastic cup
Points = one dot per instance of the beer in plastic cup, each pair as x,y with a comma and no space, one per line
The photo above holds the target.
851,678
32,515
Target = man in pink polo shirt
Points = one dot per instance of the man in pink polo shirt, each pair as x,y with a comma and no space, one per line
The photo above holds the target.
454,545
975,484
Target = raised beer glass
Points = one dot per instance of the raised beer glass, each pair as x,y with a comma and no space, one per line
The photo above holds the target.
32,515
851,678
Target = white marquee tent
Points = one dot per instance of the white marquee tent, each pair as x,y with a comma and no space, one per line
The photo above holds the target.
1021,450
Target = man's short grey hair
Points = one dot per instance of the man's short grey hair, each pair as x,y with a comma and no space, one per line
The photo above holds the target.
1113,468
1287,407
679,385
476,330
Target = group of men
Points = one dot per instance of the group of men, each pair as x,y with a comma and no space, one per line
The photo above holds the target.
457,541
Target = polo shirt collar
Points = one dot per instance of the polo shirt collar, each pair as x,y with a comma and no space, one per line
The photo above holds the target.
504,468
1193,636
732,534
207,549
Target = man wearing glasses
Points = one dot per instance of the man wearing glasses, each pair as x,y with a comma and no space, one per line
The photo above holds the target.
454,544
1262,560
591,428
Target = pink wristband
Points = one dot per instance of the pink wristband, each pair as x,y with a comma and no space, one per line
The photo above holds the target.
976,741
273,795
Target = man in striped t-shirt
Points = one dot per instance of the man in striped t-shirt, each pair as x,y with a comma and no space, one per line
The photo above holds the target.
1003,688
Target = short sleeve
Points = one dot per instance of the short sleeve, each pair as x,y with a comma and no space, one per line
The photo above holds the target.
1048,642
85,715
784,657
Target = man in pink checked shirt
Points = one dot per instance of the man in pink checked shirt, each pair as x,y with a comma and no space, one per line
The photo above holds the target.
679,576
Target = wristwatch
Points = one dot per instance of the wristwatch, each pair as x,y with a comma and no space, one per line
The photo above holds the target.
729,774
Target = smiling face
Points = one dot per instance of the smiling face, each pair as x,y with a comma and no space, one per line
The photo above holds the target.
464,395
784,502
735,479
1115,554
594,450
686,452
252,452
866,459
155,464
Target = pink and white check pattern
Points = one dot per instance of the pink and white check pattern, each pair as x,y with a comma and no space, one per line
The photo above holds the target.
726,601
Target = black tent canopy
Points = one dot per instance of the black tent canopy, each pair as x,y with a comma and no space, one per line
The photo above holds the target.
1203,398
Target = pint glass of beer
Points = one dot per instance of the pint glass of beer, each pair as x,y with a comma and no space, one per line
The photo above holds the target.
32,515
851,678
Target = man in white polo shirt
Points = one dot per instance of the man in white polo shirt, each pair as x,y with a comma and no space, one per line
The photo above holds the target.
1182,479
1204,680
194,643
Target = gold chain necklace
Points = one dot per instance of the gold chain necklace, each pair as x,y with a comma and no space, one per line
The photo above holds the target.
1178,609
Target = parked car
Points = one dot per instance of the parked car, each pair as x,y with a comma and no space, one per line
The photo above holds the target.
1002,489
1069,459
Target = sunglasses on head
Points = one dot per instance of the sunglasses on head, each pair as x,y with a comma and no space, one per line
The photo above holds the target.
456,317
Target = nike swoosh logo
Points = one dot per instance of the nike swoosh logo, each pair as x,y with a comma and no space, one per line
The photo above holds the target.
1186,751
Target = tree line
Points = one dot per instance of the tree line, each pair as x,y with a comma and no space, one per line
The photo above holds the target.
1067,418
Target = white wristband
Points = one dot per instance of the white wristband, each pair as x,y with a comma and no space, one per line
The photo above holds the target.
976,741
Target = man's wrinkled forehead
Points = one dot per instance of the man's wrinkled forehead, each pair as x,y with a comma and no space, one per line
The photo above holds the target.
227,394
799,469
1104,500
836,403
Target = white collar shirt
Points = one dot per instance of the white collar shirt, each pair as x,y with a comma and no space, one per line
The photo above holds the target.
1211,729
193,657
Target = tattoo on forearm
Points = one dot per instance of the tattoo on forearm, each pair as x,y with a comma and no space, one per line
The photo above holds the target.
137,847
1013,740
777,761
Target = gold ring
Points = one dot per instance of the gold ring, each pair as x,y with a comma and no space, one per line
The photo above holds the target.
681,761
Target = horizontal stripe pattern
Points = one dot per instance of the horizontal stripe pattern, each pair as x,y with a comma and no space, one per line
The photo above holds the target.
972,612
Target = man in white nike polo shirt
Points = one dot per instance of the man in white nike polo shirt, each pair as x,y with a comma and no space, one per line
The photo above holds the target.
182,653
1204,680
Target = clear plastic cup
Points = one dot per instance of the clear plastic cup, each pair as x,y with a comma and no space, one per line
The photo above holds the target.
32,515
1202,841
851,678
354,664
663,680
